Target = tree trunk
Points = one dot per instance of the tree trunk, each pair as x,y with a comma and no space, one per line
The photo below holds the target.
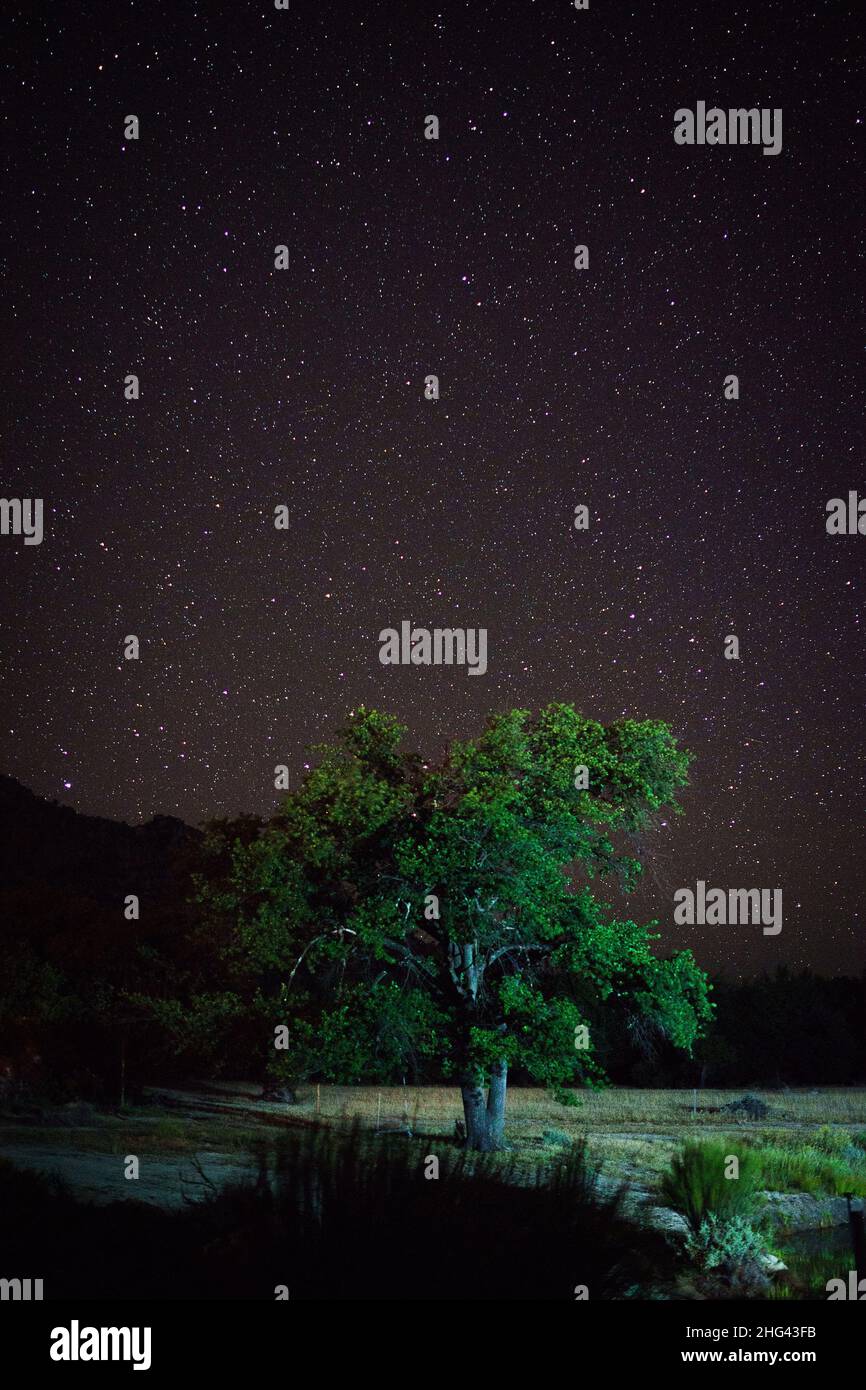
485,1117
475,1114
496,1104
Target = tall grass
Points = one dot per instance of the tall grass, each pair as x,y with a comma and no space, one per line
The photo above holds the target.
342,1217
790,1165
812,1172
346,1217
696,1184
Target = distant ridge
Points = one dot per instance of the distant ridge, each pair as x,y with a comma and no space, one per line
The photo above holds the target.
43,844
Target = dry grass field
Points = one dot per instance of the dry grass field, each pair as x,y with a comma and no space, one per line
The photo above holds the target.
631,1133
530,1111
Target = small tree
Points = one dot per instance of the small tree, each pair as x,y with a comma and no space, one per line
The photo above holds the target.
452,896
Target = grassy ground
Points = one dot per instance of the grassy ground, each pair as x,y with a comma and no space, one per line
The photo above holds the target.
631,1133
196,1141
531,1111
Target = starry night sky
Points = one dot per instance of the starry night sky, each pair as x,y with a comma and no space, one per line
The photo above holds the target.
304,387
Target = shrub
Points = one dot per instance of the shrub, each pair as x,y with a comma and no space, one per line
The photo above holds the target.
725,1241
695,1184
830,1141
750,1106
556,1137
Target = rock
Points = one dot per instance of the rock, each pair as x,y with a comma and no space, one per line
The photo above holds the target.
750,1106
772,1264
281,1094
800,1211
665,1219
749,1274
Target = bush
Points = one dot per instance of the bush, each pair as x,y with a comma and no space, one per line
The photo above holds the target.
830,1141
696,1186
721,1241
750,1106
556,1137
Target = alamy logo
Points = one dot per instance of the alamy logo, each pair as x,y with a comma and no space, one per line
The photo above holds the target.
20,1290
846,517
76,1343
737,126
444,646
855,1290
718,907
22,516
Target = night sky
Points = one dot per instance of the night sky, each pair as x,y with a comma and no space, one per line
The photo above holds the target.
305,387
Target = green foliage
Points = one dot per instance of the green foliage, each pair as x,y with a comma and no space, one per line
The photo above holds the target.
556,1138
788,1164
831,1140
431,918
31,988
372,1034
725,1240
696,1186
567,1098
194,1030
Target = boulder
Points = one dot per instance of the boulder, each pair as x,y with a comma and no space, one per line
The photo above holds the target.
283,1095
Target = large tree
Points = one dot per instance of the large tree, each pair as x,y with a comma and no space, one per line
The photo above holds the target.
422,915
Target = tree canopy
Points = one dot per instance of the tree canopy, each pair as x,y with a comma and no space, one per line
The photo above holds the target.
441,915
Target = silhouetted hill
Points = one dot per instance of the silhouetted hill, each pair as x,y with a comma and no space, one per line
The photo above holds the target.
47,846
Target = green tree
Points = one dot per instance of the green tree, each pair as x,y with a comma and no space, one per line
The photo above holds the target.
456,898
